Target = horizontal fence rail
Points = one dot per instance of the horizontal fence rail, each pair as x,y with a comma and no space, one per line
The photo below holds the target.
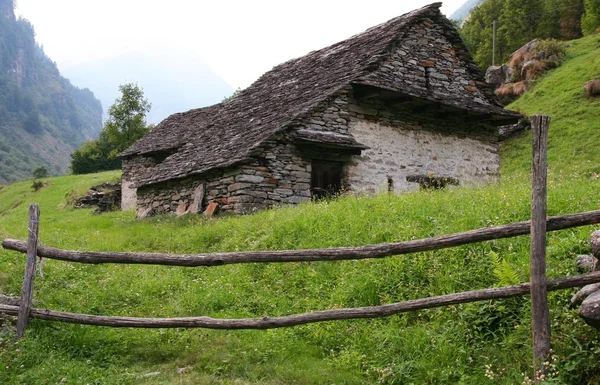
305,318
311,255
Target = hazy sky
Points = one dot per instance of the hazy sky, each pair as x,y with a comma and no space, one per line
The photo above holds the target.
239,39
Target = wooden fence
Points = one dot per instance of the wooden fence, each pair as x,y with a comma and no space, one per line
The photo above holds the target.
538,287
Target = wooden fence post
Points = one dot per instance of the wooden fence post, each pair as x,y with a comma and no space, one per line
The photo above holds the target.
27,290
539,296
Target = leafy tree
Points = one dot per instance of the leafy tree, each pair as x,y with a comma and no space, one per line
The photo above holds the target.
550,24
93,156
591,18
126,123
126,119
520,22
477,32
40,172
570,12
33,124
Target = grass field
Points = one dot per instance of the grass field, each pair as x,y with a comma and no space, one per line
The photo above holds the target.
481,343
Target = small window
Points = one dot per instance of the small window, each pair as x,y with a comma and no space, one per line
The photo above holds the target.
326,179
262,162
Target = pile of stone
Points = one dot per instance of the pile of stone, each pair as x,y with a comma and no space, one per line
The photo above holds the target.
529,62
589,296
106,197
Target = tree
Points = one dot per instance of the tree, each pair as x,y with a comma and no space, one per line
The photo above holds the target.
590,21
520,22
126,123
93,156
477,31
126,119
39,172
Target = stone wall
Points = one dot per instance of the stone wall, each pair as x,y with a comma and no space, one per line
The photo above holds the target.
405,143
132,167
427,64
276,175
402,143
397,153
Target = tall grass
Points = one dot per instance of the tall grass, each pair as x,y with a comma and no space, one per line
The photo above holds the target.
446,345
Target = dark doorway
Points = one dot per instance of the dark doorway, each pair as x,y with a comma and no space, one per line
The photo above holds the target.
326,179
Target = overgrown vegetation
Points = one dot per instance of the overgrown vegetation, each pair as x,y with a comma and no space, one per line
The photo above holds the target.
42,116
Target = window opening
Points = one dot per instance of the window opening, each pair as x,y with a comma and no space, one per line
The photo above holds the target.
326,179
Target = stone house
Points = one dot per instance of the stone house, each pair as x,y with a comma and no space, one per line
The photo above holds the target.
394,108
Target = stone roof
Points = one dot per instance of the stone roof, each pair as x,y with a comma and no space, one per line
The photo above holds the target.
226,133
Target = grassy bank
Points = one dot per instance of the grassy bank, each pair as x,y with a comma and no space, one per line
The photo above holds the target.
484,343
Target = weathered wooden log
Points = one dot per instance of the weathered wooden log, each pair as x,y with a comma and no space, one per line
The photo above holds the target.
540,313
305,318
332,254
27,289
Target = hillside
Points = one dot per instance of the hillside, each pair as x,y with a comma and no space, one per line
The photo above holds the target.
573,139
481,343
43,117
463,12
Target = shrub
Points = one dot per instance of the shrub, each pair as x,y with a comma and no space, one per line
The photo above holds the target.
551,47
37,184
510,92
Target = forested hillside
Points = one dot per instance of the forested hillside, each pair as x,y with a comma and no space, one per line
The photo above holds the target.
520,21
43,117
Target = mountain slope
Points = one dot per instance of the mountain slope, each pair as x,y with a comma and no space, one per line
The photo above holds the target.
463,12
43,117
573,140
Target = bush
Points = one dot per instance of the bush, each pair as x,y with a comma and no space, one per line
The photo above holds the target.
551,47
37,184
93,156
